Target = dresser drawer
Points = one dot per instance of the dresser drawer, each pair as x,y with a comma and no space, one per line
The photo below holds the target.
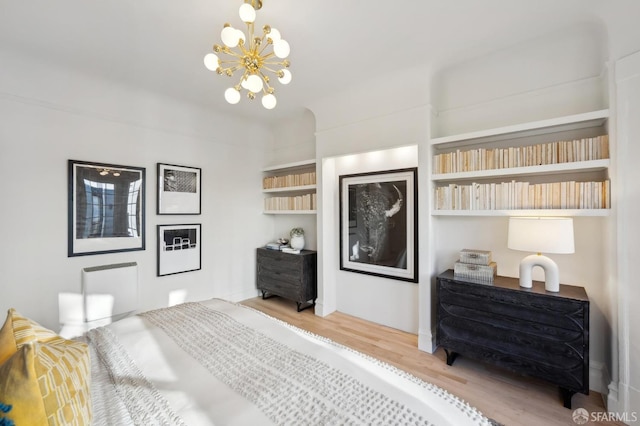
268,274
277,261
276,266
558,364
280,285
516,330
564,346
507,303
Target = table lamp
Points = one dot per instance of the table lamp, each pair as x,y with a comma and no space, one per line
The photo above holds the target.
541,235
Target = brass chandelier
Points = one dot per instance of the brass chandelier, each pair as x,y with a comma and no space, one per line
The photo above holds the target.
253,58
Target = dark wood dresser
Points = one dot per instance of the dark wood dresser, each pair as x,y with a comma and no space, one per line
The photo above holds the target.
528,331
292,276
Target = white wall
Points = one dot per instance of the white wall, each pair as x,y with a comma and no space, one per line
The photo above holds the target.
51,114
381,300
543,78
294,140
625,387
365,130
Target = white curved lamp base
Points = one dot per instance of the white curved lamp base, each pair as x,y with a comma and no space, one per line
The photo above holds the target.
551,272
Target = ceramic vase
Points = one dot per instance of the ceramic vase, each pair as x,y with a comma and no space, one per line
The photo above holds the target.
297,242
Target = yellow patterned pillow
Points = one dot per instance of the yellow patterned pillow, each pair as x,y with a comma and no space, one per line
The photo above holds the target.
48,383
18,330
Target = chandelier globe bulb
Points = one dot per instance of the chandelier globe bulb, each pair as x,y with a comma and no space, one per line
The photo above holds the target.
281,48
269,101
211,61
284,76
229,36
247,13
274,35
232,95
253,83
241,36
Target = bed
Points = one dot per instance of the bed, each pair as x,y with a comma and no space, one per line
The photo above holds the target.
219,363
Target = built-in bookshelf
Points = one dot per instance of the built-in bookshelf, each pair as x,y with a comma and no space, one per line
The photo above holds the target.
551,167
542,154
290,188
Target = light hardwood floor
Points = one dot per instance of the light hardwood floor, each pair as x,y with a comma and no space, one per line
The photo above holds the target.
507,398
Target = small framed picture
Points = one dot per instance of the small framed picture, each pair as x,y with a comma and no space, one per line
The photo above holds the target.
179,248
379,224
106,208
179,189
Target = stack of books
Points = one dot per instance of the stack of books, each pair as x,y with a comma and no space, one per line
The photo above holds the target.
290,250
275,246
285,248
476,265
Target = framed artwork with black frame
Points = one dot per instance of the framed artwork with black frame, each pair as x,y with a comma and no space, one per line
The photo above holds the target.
106,208
379,224
179,189
179,248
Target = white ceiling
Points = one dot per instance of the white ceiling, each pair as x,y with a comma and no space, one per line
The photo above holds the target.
159,44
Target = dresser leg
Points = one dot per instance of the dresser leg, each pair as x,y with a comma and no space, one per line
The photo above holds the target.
451,356
266,295
303,306
566,396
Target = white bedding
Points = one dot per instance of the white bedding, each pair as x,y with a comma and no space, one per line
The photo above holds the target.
219,363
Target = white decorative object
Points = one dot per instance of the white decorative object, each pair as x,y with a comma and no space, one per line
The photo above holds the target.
297,238
297,242
541,235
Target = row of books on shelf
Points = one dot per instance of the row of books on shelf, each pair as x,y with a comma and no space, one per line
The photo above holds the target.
300,179
523,195
298,202
585,149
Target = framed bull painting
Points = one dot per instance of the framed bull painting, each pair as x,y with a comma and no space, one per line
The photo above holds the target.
379,224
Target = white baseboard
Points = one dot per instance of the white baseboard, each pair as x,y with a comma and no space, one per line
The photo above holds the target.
319,309
322,309
599,378
624,402
612,402
634,404
426,342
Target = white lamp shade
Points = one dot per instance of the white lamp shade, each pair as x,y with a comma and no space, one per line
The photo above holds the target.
269,101
240,36
281,48
229,36
286,77
211,61
232,95
274,35
253,83
247,13
541,234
